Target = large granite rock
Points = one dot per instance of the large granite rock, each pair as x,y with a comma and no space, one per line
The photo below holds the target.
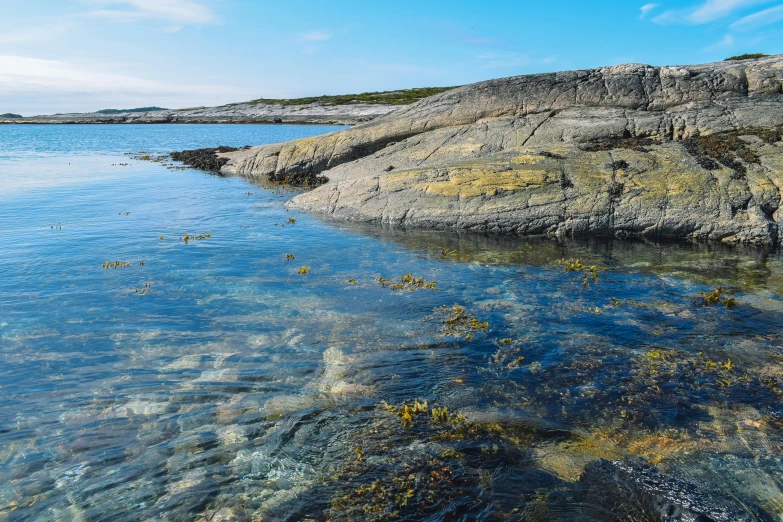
630,150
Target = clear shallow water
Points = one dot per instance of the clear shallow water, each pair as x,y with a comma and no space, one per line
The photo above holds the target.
236,388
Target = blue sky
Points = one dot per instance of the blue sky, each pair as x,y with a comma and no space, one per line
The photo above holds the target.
81,55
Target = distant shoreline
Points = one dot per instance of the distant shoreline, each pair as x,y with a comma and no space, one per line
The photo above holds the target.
346,109
192,122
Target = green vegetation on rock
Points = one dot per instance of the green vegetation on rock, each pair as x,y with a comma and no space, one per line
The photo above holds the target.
403,97
137,109
752,56
10,115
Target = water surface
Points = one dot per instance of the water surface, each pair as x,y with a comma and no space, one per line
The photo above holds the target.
211,380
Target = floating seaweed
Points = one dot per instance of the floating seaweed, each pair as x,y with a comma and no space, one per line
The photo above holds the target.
457,322
351,281
188,237
589,273
715,297
291,221
446,253
146,289
407,282
304,270
115,264
290,257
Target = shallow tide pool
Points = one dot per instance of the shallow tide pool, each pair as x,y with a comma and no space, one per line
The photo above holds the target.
261,370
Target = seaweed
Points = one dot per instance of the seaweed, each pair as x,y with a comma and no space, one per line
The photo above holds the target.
187,238
290,257
407,282
615,189
589,273
619,142
722,149
203,159
618,165
304,270
715,298
457,322
115,265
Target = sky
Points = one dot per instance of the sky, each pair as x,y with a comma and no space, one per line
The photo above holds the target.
85,55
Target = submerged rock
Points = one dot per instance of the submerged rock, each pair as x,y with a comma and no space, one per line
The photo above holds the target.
632,490
629,150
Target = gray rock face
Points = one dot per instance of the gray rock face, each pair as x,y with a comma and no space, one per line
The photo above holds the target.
562,154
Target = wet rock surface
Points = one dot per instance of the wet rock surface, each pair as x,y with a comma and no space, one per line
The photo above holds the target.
203,159
627,151
633,490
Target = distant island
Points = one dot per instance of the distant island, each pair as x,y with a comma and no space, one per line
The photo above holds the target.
138,109
10,115
343,109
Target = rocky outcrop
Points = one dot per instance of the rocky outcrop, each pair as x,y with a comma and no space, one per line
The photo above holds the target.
312,113
630,150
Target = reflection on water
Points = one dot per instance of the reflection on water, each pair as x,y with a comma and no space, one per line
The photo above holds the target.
237,388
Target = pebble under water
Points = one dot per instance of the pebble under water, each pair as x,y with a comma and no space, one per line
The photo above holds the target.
279,366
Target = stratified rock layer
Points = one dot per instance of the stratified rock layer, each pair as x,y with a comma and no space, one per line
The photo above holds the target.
614,151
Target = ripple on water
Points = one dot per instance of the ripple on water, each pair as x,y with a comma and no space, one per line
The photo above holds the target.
239,388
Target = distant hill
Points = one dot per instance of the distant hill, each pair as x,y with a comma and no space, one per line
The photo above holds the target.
401,97
10,115
138,109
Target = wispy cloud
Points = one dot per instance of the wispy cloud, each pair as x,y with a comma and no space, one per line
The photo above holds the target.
316,36
707,12
760,19
45,33
180,11
23,75
645,10
727,42
511,59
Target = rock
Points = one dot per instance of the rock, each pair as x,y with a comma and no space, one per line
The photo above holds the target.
311,113
204,159
627,151
632,490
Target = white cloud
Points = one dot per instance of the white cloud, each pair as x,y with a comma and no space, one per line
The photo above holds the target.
182,11
727,42
512,59
645,9
43,80
760,19
707,12
45,33
316,36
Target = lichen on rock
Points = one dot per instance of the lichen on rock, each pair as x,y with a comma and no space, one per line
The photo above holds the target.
627,151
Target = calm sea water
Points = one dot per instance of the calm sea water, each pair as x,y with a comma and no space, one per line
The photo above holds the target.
211,380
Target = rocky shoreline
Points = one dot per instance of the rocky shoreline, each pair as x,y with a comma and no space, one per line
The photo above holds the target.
314,113
626,151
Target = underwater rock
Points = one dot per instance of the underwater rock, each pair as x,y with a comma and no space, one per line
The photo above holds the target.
633,490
